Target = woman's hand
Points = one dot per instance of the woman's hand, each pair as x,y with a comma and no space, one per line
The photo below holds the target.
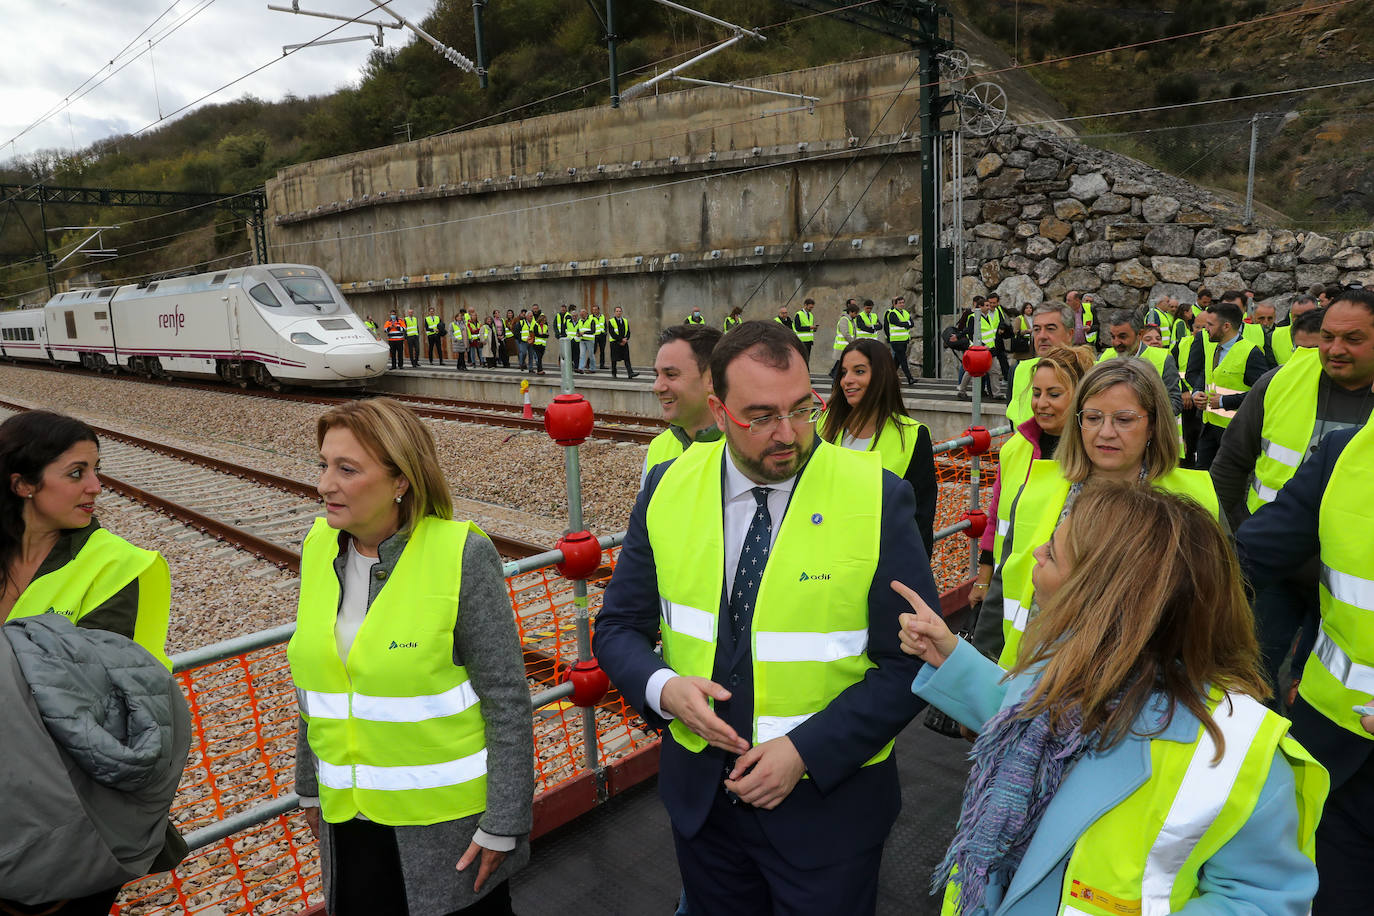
491,860
923,632
312,820
1368,723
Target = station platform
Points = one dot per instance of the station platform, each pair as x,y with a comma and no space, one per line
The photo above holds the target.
932,401
618,859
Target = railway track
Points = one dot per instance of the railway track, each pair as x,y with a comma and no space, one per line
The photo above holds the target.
263,513
613,427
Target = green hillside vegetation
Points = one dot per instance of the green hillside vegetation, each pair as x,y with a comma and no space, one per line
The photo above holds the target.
544,56
1314,162
548,55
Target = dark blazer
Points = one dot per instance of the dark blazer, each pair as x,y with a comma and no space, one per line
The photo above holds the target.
1275,543
842,808
1256,364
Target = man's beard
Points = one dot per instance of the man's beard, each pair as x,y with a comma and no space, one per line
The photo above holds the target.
757,470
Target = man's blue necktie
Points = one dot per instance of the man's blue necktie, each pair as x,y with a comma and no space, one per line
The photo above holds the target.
753,557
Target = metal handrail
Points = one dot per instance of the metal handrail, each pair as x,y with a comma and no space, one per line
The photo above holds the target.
952,444
229,648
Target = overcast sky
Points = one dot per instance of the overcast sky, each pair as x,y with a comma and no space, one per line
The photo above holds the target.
54,46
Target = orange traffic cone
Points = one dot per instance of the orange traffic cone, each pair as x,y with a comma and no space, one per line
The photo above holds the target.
525,390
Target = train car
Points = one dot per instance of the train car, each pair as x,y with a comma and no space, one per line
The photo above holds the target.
23,335
79,328
271,324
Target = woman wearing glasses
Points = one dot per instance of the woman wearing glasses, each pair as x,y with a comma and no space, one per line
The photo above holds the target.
871,417
1121,428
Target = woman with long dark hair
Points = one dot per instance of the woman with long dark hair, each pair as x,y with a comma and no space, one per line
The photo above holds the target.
867,414
1126,762
54,556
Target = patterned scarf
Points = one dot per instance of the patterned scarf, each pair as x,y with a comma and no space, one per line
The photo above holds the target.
1018,765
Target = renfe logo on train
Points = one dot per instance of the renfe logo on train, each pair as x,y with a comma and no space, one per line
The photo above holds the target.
173,319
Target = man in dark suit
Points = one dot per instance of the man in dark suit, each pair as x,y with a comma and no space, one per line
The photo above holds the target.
1322,513
764,562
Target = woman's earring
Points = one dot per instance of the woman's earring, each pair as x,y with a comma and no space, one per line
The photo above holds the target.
1148,441
398,499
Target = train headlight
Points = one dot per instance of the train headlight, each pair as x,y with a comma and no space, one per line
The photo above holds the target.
300,337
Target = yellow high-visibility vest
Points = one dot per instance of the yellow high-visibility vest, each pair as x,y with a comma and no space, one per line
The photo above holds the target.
101,569
823,559
397,730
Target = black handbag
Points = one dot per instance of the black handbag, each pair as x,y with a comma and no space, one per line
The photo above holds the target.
935,719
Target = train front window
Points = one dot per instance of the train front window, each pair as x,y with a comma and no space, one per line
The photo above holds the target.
263,293
307,292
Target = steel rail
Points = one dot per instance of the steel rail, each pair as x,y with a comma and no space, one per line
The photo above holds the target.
465,415
506,546
271,551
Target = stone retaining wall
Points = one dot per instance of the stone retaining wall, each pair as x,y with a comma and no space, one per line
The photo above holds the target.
1044,215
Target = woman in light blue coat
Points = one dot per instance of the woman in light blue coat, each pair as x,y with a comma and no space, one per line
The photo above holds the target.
1125,764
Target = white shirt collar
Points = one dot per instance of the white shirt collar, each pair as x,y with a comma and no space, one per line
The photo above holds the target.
738,486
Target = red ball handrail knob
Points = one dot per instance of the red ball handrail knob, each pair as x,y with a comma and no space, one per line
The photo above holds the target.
982,440
977,360
977,523
568,419
590,683
581,555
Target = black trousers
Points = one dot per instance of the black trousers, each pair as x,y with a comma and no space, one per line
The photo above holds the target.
370,881
1345,846
1208,444
731,869
397,353
1282,609
537,356
1192,428
601,349
413,348
899,348
620,353
436,348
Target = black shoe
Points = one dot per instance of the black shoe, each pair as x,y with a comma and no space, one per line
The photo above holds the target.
964,396
634,375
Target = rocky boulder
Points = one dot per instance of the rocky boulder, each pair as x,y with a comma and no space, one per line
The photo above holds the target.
1159,208
1070,209
1134,274
1250,247
1169,240
1019,290
1316,248
1111,203
1176,270
1087,187
988,166
1211,243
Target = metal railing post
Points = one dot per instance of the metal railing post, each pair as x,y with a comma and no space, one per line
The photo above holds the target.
572,467
974,464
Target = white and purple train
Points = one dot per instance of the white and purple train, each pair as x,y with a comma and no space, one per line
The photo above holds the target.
272,324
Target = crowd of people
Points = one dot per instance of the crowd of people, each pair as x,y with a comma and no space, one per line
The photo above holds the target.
1164,717
1165,670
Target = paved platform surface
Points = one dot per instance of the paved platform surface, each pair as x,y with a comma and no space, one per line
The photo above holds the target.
618,860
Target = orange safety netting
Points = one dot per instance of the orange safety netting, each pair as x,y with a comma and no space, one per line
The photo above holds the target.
243,713
244,736
950,560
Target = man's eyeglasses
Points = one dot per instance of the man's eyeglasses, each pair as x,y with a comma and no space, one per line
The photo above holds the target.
761,426
1123,420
